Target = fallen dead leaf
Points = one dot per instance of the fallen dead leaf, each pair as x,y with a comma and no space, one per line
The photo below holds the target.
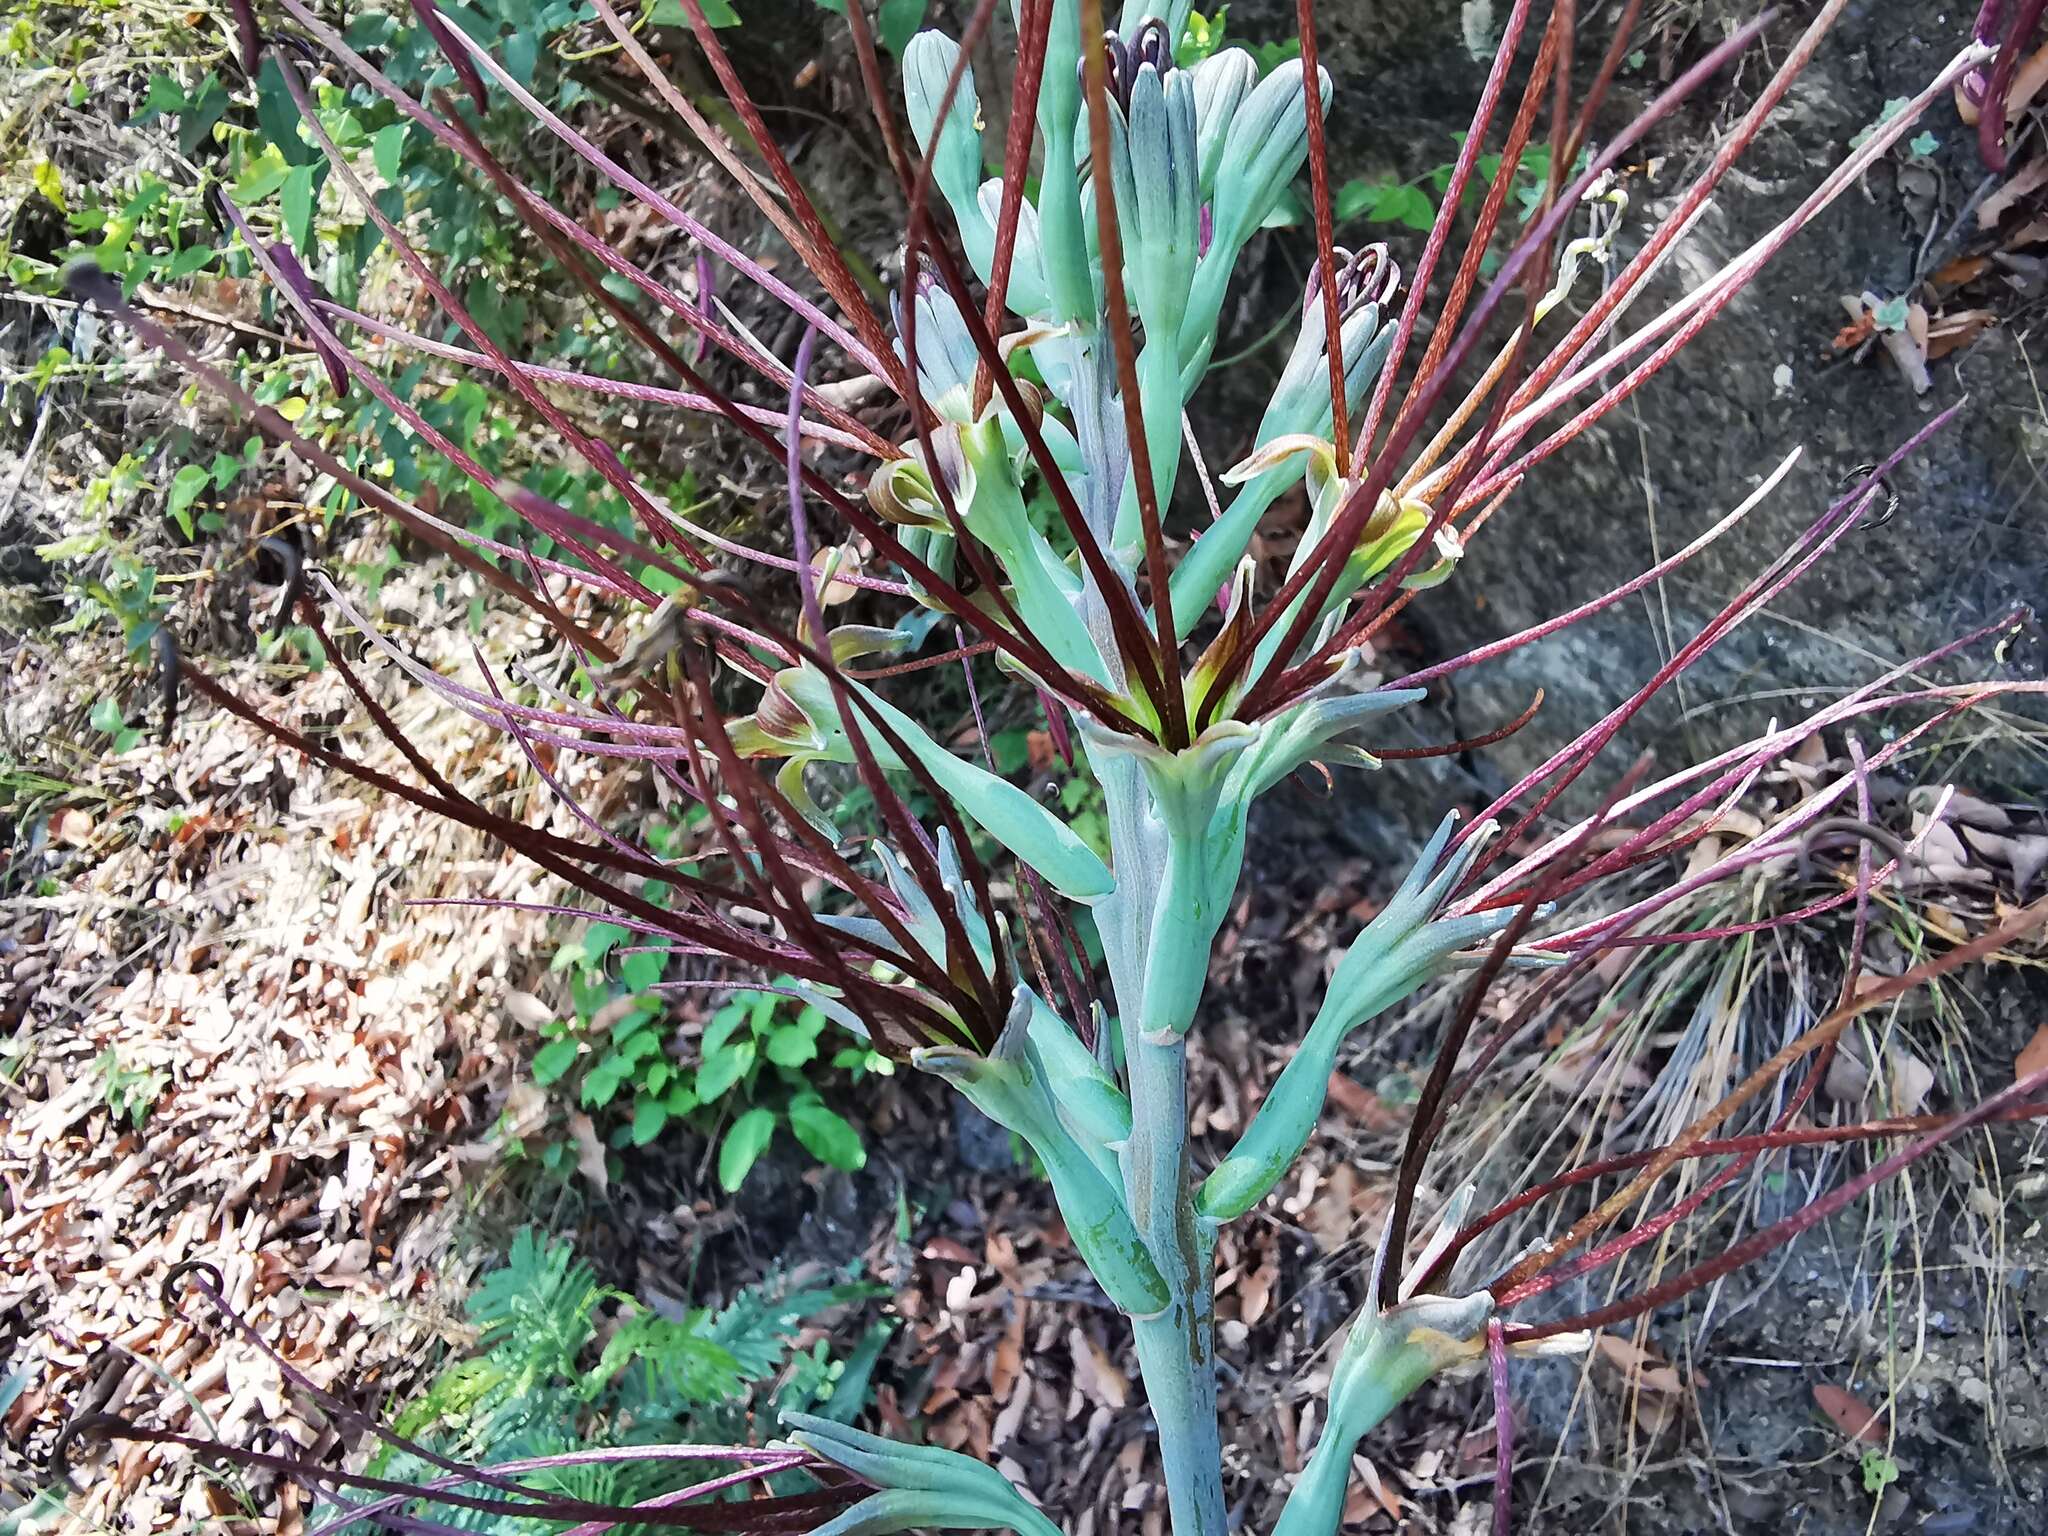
589,1152
1370,1494
1964,269
2033,1056
1642,1366
1951,333
1912,1081
1849,1414
2027,82
1007,1367
1095,1374
1255,1292
1652,1387
71,827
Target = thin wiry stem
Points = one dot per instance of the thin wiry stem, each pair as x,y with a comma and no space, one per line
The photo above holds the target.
1569,763
716,145
1788,836
989,991
1499,733
1728,773
1432,1105
831,267
1548,627
760,1464
1446,218
696,316
588,383
1034,28
1317,575
1610,65
790,1513
1627,283
870,64
444,537
1991,114
1126,620
1503,1426
1772,1071
1536,252
1325,224
1779,1233
606,464
879,533
1784,1138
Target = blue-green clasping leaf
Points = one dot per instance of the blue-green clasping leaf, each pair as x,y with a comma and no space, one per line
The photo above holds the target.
920,1486
799,719
1026,294
1045,587
946,355
1386,1356
1010,1087
1089,1102
956,163
1400,949
1300,407
1006,813
1301,400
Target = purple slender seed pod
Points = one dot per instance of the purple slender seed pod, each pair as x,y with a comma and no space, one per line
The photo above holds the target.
451,46
1991,122
249,40
707,290
309,294
1056,728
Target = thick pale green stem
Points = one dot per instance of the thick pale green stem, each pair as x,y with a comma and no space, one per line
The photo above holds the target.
1176,1344
1176,1348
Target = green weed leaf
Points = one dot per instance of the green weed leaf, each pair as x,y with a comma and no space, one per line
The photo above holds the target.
743,1146
552,1060
650,1116
186,486
824,1134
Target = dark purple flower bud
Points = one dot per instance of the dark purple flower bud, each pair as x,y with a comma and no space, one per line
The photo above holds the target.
249,41
1121,71
303,288
1370,277
451,47
1207,231
1152,46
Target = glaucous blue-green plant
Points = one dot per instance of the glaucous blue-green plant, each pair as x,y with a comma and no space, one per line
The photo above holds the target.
1103,256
